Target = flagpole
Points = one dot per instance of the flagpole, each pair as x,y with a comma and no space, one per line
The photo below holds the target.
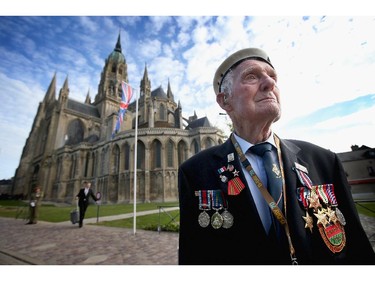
135,166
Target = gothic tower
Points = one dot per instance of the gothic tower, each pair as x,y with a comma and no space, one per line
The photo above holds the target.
109,93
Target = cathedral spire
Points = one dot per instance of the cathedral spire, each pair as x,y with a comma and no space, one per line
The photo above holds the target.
145,83
118,44
169,92
88,99
66,84
51,92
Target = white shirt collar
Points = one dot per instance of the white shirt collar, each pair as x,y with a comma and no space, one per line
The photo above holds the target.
245,145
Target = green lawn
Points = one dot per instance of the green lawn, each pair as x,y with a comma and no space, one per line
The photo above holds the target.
51,213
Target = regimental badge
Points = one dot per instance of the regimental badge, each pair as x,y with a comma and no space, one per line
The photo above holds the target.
333,236
276,171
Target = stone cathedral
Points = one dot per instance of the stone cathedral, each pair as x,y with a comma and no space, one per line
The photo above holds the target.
70,141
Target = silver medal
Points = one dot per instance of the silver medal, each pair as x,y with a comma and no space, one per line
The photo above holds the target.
340,216
228,219
204,219
217,220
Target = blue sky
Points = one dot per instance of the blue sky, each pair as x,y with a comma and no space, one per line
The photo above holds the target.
325,64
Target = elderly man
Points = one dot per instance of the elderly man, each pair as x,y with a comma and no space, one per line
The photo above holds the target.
260,199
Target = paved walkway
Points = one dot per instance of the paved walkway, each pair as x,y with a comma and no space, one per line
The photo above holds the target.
67,244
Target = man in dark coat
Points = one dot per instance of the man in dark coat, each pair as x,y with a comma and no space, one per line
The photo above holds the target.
83,197
227,212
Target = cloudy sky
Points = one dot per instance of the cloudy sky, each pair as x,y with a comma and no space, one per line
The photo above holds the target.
326,66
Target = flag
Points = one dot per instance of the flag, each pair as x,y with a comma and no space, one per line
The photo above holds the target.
127,94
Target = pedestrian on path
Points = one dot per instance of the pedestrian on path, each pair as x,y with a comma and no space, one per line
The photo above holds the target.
36,197
83,198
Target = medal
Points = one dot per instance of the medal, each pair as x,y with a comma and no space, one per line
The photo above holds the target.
309,221
227,216
204,219
340,216
228,219
204,204
216,219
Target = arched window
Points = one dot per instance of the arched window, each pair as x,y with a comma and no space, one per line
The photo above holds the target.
140,155
162,112
156,154
127,156
170,153
87,164
116,160
195,147
181,152
73,166
208,143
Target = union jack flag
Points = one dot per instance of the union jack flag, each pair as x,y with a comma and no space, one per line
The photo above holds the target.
127,94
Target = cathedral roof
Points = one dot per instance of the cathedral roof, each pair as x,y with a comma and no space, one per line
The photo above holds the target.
198,123
159,93
83,108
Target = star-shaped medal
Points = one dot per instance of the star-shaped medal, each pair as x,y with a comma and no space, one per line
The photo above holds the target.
235,173
322,217
331,215
309,221
314,201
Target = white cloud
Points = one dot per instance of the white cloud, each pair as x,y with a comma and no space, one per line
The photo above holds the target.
320,61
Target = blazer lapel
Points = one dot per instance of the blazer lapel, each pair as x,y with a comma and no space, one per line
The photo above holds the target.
295,209
243,202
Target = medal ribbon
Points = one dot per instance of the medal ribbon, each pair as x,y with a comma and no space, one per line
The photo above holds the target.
204,200
303,193
322,193
278,214
217,200
331,194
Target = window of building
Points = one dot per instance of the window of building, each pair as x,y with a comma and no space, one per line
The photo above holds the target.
162,112
156,154
127,156
116,160
170,153
140,155
181,152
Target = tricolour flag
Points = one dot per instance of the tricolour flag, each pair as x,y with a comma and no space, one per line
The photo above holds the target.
127,94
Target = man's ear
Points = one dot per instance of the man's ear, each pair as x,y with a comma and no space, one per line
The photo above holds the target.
222,100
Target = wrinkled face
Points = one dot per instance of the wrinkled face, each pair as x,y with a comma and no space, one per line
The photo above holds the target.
255,95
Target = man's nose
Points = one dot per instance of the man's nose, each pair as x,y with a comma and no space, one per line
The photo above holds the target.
268,83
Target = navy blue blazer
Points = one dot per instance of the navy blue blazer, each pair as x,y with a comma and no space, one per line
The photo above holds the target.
246,241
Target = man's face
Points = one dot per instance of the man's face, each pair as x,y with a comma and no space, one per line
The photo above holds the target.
255,96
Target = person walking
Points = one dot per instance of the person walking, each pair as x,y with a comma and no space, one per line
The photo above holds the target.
83,198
